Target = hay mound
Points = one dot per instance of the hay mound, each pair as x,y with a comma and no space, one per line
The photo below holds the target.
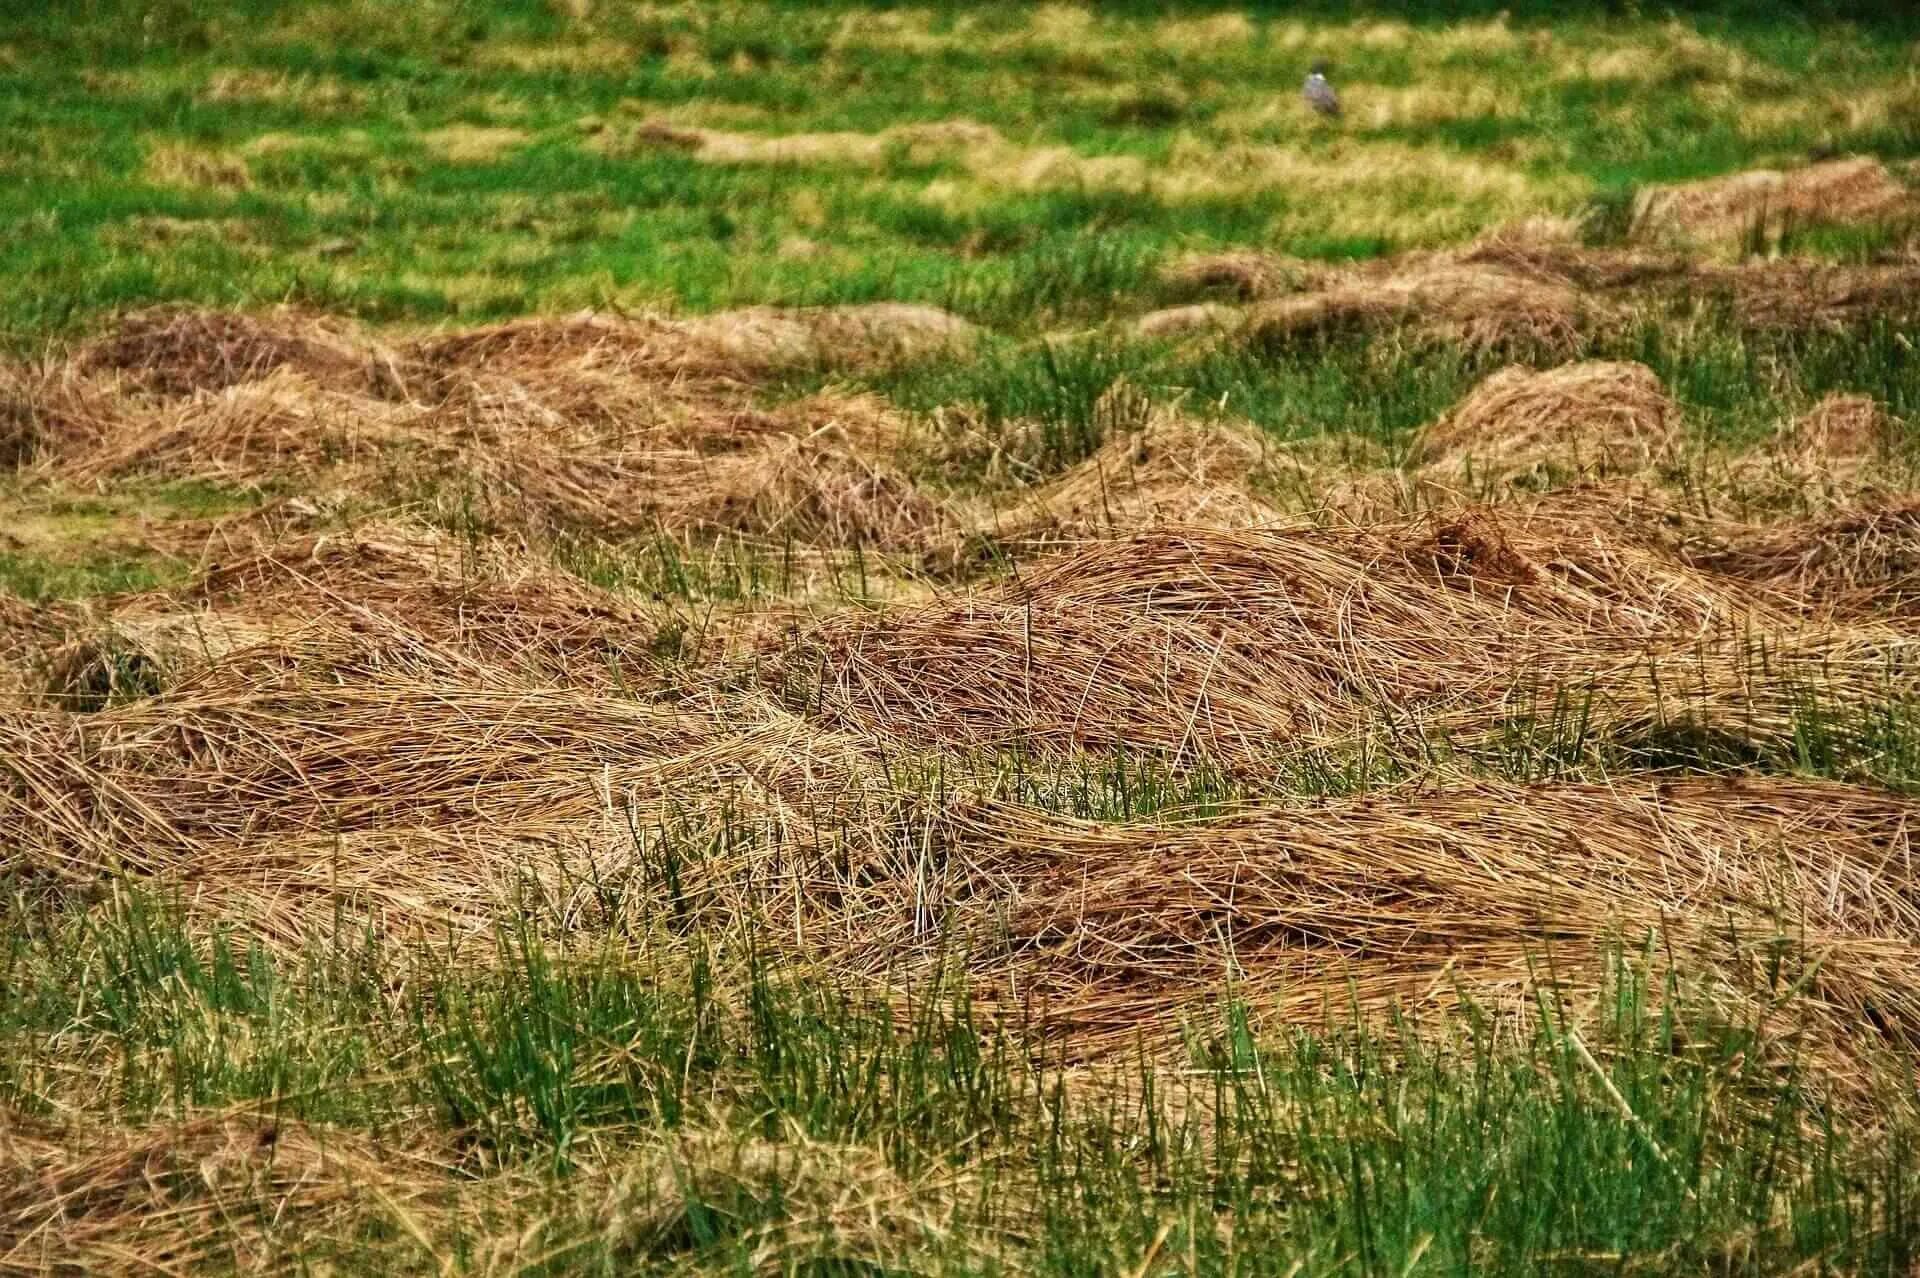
1174,470
1589,417
1791,295
1178,321
211,1191
279,425
768,338
1858,189
1384,901
1245,646
1244,274
917,143
1857,564
1845,426
182,350
1478,305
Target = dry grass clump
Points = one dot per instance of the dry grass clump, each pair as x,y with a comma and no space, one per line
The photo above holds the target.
1404,901
1723,210
1173,470
1843,426
1792,295
279,425
231,1190
1856,564
916,143
1246,274
326,603
425,786
1595,416
1478,305
1242,646
172,350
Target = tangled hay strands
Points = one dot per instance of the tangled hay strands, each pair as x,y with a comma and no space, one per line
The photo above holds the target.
213,1190
175,350
1173,470
1794,296
1723,210
1241,647
1246,274
1478,305
715,349
279,424
1844,426
329,603
1861,563
1389,899
444,746
1593,416
49,409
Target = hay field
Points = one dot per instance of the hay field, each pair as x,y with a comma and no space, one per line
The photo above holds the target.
834,639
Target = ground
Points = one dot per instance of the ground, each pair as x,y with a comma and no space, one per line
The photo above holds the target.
771,637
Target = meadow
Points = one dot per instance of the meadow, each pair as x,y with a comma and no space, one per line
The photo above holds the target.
829,638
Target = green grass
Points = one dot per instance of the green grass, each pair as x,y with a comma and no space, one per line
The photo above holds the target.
138,172
725,1100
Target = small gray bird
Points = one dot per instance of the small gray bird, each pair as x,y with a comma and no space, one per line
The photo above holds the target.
1318,93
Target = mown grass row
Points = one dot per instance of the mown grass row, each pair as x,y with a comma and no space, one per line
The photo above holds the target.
1643,1134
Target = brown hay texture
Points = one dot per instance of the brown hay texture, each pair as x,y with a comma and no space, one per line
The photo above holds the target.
1593,417
1479,305
1724,209
211,1190
1857,564
1244,647
176,350
1173,470
1407,900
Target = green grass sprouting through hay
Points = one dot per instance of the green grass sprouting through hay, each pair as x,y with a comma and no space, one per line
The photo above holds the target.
700,1108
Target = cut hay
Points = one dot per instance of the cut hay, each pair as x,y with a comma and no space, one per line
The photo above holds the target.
1180,321
1172,471
1846,426
1477,305
1793,295
1724,210
1246,647
1587,418
235,1191
180,350
1856,564
1404,902
1245,275
279,425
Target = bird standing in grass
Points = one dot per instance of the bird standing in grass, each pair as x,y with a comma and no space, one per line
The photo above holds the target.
1318,93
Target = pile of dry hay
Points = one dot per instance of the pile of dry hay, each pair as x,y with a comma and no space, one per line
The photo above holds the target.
331,603
1587,418
1403,900
1244,646
1725,211
1859,563
617,426
213,1190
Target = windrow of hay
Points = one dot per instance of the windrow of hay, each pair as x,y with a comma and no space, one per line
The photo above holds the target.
1481,306
1404,901
1589,418
1172,470
424,789
175,350
328,603
1861,563
620,427
1241,647
1723,211
213,1190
